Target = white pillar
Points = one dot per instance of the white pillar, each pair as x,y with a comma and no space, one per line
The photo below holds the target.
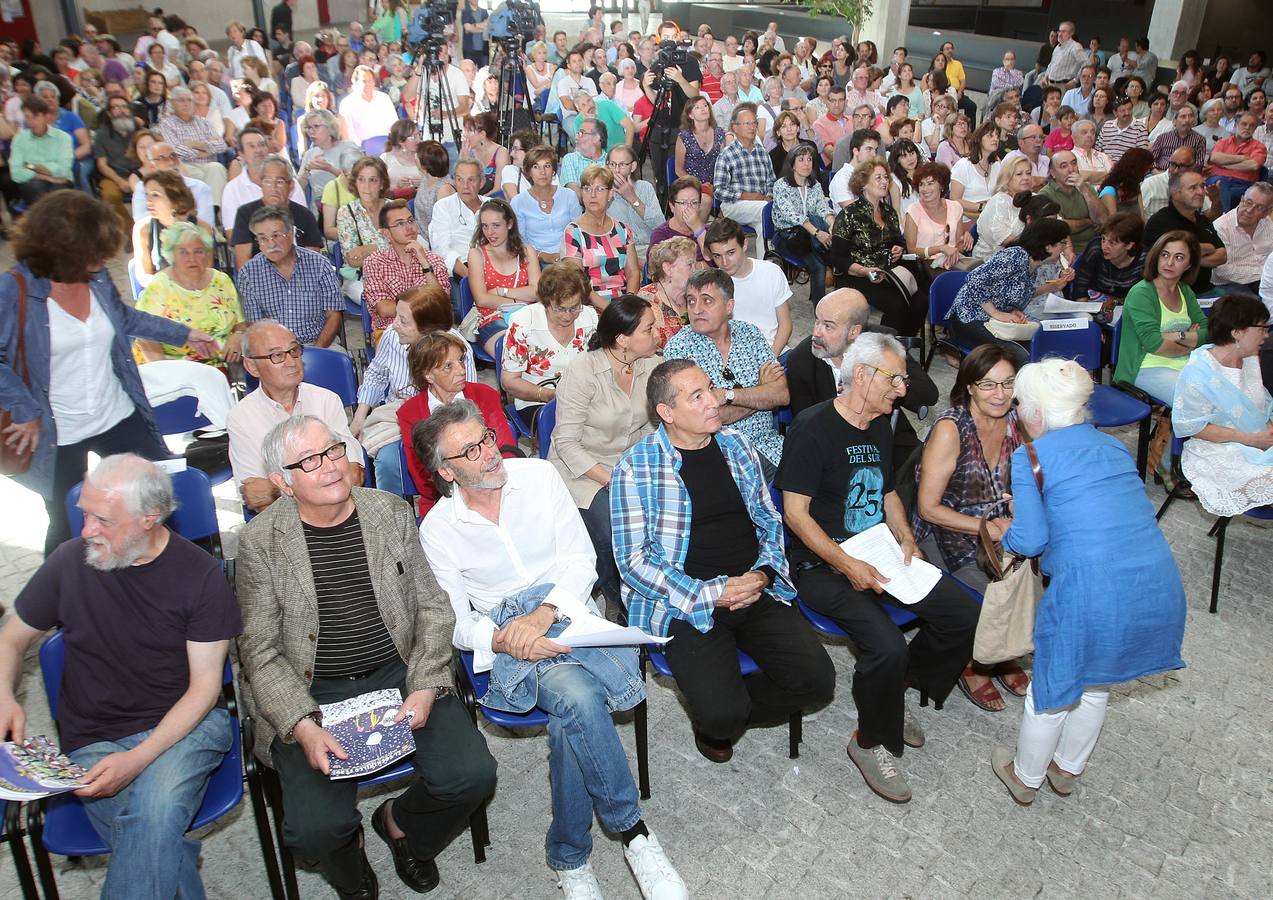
887,26
1174,27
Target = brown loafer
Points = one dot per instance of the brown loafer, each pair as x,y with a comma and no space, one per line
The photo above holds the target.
1001,759
1061,782
714,751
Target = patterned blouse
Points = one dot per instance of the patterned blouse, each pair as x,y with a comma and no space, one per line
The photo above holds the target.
857,238
794,206
697,163
531,349
215,309
355,228
1004,279
975,488
604,256
670,321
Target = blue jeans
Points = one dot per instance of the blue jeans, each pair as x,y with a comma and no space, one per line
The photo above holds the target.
587,766
1231,189
1158,382
145,824
388,465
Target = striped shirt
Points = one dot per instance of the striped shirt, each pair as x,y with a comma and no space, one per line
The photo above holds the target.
1115,141
1171,141
352,637
388,377
182,134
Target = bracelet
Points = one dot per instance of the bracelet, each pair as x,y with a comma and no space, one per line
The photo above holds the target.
700,232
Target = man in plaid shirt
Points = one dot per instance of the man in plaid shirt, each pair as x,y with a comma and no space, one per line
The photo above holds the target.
406,264
744,178
195,142
698,544
295,286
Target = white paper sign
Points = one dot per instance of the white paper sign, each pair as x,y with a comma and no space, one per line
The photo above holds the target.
877,546
1070,323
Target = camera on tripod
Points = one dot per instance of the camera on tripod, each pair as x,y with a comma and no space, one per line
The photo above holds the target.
427,31
670,53
514,19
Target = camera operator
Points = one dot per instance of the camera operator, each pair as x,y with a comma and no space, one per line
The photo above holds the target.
683,82
446,112
474,21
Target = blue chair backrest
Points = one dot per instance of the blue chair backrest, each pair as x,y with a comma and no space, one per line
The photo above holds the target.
408,482
196,515
366,331
465,297
941,297
180,416
499,362
671,169
337,255
544,426
1114,342
333,370
767,222
1084,345
374,146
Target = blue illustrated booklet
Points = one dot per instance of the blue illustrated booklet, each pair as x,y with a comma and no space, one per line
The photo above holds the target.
34,769
365,728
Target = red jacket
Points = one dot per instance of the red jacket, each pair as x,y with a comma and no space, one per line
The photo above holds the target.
417,410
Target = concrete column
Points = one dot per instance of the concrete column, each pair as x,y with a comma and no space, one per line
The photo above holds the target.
887,26
1174,27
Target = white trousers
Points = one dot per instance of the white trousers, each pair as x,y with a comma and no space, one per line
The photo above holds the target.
212,174
1066,736
748,212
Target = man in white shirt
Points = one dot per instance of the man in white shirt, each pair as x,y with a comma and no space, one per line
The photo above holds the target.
761,290
246,186
1153,190
1248,235
455,218
732,58
1266,283
1067,58
1030,143
771,32
164,157
506,543
1253,75
723,108
1123,63
368,112
569,81
272,354
240,48
863,145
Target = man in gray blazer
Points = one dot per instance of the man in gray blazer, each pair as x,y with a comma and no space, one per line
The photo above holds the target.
338,600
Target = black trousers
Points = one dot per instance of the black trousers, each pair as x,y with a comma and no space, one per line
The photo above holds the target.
795,671
660,148
454,774
131,435
904,313
886,664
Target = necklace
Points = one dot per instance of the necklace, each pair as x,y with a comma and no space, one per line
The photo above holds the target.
626,366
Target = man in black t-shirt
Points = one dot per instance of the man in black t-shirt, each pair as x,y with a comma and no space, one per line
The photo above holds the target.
276,188
146,619
1183,212
836,478
683,82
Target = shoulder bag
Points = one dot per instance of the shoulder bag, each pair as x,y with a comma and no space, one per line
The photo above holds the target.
1005,628
12,462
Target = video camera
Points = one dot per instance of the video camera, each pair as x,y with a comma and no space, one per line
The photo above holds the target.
672,54
514,19
427,31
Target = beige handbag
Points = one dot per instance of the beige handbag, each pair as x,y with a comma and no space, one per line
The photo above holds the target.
1012,331
1005,628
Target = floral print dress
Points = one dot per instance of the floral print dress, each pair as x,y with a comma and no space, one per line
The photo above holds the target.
215,309
531,349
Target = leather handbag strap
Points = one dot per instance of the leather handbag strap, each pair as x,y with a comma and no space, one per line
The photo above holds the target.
1035,466
20,352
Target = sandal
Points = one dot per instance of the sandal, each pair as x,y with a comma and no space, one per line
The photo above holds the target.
1012,679
983,696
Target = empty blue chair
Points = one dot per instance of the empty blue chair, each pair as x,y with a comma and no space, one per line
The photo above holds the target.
333,370
466,303
374,146
195,518
181,416
941,297
544,427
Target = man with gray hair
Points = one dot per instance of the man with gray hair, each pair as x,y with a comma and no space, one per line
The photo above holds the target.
195,141
245,187
339,601
146,619
277,182
1247,233
837,481
744,176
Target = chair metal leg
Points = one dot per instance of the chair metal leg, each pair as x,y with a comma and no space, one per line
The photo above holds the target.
795,735
1162,510
1142,449
43,864
641,725
261,816
1220,528
13,836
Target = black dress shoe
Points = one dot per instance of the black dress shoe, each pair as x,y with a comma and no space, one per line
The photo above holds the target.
715,751
421,875
368,887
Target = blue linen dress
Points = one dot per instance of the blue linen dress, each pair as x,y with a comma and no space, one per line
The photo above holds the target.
1115,608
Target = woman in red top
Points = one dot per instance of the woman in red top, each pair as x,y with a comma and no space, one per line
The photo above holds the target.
437,369
502,269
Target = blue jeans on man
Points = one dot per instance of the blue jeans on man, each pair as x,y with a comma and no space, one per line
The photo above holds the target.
145,824
1231,189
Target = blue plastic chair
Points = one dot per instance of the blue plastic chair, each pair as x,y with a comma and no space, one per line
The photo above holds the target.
466,303
374,146
333,370
133,284
60,825
195,518
181,416
941,297
510,409
1142,441
544,427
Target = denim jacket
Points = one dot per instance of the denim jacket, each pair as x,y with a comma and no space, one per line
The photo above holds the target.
512,687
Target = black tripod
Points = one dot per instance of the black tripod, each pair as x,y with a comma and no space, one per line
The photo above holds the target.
513,107
435,91
662,113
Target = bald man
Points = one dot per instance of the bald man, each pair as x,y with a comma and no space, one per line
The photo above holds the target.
813,365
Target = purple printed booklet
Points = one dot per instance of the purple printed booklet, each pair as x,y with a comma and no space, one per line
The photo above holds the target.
34,769
365,728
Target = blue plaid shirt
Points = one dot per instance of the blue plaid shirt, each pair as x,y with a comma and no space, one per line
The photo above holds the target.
650,514
300,302
738,170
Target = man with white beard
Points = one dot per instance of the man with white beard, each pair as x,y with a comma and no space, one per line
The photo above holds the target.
110,154
146,618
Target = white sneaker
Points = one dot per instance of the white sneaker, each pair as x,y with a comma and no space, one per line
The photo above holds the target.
579,884
653,870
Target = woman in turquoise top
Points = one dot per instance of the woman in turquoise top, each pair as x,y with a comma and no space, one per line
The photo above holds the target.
1114,609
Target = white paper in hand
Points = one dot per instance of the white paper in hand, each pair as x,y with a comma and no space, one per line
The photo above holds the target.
594,631
877,546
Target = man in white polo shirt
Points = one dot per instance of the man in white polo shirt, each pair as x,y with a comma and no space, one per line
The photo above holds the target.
761,290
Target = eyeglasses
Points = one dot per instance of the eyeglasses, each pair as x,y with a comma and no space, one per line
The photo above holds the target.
728,375
566,312
274,237
277,356
409,220
312,462
595,189
474,451
986,385
1248,202
165,157
896,379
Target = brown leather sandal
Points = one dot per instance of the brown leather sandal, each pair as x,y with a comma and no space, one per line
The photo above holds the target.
983,696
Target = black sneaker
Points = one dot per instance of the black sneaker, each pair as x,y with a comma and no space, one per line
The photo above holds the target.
421,875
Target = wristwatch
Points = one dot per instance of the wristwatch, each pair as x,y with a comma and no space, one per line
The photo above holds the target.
729,396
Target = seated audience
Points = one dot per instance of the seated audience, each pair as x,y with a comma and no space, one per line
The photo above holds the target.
197,144
400,159
1184,212
507,597
747,380
1236,162
368,112
590,150
454,220
1093,164
115,165
435,183
670,264
803,217
1247,232
863,146
1112,262
1085,643
245,187
402,265
787,133
481,134
903,159
439,368
1000,220
1061,136
618,128
168,201
715,580
689,206
544,208
699,142
761,290
1080,207
190,291
502,270
972,178
990,307
1180,134
1121,188
294,285
633,201
603,245
833,126
1123,132
272,354
957,143
830,495
744,175
601,412
1222,406
375,629
512,180
41,157
146,618
1162,322
358,222
935,228
868,244
276,185
327,156
544,338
